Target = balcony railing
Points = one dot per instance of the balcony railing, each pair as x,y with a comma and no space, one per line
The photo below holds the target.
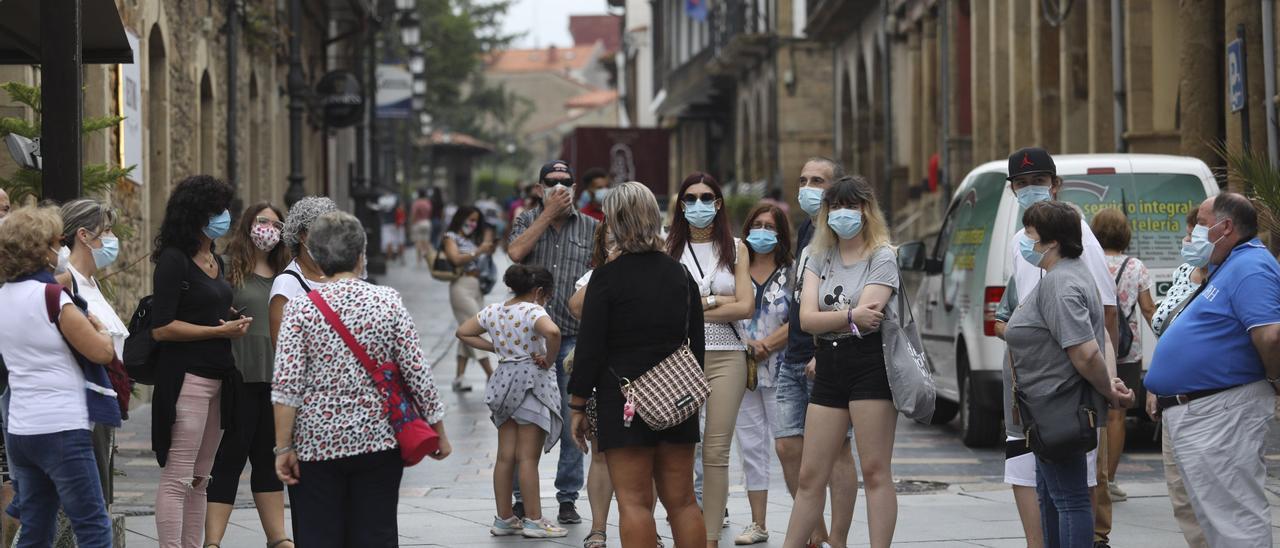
733,18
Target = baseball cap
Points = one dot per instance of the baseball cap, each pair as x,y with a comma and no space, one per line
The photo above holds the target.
553,166
1031,160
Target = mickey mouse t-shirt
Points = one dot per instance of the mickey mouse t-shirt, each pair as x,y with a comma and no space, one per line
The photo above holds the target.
842,284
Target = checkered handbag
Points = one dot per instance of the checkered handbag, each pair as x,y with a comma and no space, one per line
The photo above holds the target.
671,392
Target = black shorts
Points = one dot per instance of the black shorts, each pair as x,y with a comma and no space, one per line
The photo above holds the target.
850,369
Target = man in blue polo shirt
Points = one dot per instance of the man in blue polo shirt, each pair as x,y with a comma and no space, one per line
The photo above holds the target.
1214,374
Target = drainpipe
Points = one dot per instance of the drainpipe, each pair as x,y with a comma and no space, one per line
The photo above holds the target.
944,13
297,89
1117,72
233,62
886,92
1269,72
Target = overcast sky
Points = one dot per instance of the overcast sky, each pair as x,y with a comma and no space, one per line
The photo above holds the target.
546,22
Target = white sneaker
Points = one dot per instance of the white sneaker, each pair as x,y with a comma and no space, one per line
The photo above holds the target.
542,528
506,527
459,386
1117,494
754,534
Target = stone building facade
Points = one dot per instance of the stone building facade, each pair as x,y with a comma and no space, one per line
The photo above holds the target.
182,52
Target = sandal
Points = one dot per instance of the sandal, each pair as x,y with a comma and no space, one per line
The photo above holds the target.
590,541
276,543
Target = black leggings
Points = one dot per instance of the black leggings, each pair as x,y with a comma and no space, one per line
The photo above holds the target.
253,441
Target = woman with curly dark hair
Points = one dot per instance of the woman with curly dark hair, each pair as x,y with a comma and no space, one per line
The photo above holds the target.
255,256
194,324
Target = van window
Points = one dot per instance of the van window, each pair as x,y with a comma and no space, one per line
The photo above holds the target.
965,241
1156,204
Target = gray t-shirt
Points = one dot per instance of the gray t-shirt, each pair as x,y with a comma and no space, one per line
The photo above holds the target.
842,284
1064,310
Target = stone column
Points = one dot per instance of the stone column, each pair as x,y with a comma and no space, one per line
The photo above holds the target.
1101,122
1073,80
1046,111
1021,70
981,82
1137,70
1201,84
999,84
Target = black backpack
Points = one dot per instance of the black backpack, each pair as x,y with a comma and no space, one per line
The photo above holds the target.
1125,344
140,347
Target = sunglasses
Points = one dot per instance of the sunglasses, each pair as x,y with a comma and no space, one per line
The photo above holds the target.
549,183
705,197
267,221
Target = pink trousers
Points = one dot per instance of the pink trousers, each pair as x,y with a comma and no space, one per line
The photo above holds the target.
180,499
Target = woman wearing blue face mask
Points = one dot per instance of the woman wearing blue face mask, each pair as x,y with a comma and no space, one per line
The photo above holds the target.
701,239
86,231
193,326
848,280
768,236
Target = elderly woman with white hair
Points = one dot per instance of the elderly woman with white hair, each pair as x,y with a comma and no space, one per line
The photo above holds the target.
302,275
335,448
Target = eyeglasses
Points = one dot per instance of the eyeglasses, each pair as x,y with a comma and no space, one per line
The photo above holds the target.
268,221
758,224
553,182
705,197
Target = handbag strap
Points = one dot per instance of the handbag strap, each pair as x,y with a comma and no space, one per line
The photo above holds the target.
301,281
356,348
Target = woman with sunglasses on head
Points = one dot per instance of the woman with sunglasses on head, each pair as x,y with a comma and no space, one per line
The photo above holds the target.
848,280
467,241
702,240
768,237
254,258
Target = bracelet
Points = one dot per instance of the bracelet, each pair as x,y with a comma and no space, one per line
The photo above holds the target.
853,327
711,301
582,408
282,450
1275,380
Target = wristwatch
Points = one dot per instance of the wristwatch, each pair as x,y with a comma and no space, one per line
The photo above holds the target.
711,301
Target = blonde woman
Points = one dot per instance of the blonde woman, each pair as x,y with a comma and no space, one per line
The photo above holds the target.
639,308
848,280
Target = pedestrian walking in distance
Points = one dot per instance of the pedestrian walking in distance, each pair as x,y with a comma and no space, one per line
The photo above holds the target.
522,395
196,377
1215,374
849,277
1056,338
49,423
468,240
702,240
639,309
254,258
335,447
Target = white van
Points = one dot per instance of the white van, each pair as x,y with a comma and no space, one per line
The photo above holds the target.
963,274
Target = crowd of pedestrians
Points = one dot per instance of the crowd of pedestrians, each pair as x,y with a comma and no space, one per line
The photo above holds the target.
273,352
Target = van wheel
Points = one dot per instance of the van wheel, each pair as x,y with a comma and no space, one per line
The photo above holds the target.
944,411
981,426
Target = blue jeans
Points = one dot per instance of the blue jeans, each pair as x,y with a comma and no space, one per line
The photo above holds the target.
570,473
54,469
1065,510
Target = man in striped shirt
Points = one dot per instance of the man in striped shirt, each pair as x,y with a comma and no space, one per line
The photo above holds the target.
556,236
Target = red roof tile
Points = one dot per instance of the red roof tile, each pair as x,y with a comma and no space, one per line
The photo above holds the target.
588,29
594,99
552,59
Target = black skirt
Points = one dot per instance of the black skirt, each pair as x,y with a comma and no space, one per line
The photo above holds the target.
612,434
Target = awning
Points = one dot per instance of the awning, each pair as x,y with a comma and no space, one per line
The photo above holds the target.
102,34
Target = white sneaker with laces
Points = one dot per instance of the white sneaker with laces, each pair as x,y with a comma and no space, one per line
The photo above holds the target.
754,534
1117,494
505,527
542,528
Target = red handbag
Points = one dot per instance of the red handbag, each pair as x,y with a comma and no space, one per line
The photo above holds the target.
416,438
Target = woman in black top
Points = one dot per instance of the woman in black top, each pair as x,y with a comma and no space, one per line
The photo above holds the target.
639,309
193,324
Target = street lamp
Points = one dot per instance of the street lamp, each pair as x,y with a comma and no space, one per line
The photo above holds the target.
410,29
417,63
419,103
405,5
419,87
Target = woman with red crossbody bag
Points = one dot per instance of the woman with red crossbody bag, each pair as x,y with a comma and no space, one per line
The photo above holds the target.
344,436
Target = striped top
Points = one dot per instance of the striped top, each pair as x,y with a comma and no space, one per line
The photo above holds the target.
566,252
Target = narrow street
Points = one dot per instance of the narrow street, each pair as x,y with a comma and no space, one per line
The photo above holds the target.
950,495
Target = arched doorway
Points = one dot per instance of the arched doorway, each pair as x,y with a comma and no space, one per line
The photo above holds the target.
207,155
157,120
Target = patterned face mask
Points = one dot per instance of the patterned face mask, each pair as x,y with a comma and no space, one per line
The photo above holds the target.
265,236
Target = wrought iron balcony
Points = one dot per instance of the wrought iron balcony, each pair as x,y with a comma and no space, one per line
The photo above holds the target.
740,30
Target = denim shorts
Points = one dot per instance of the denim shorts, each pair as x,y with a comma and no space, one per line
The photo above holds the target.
793,392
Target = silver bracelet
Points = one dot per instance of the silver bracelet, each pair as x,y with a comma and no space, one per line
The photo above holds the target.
282,450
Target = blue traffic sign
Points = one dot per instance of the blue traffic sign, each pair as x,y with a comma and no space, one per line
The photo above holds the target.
1236,75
